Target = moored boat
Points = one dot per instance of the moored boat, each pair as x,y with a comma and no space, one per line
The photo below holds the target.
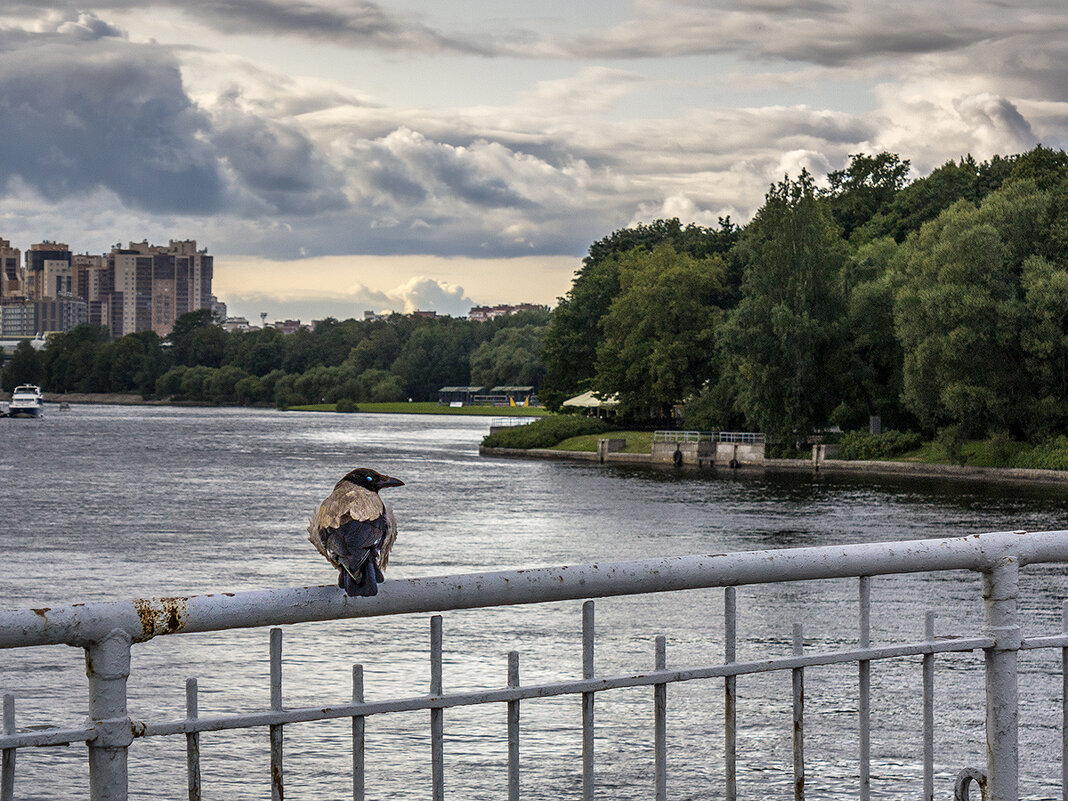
26,401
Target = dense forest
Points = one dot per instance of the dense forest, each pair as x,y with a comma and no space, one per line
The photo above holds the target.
940,305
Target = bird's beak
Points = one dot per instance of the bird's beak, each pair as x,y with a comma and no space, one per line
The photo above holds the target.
387,481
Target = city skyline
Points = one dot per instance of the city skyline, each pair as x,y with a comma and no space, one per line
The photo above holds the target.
350,155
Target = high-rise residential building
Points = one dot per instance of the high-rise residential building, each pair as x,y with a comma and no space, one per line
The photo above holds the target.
12,275
48,270
153,285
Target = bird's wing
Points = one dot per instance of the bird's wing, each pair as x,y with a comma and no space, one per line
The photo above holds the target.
348,525
388,540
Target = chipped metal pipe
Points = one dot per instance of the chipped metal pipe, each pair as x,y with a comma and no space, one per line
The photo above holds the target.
82,624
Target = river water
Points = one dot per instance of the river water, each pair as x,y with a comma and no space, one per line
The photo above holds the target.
123,502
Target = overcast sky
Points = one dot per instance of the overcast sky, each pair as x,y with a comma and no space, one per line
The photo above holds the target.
342,155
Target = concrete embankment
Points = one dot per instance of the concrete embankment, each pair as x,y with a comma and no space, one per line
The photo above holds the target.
113,399
834,466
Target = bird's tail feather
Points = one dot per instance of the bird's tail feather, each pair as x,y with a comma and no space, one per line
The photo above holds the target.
363,584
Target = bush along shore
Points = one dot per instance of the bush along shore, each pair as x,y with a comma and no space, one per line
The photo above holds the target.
890,453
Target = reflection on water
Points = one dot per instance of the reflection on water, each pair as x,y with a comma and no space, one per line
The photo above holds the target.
126,502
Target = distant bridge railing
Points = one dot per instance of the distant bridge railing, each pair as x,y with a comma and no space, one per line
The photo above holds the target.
746,437
107,632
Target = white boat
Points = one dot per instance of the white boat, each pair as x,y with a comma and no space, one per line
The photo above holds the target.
26,401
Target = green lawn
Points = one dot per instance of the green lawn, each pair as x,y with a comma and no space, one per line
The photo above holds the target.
637,441
429,408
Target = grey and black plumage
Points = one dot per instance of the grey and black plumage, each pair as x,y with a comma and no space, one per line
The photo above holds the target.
355,530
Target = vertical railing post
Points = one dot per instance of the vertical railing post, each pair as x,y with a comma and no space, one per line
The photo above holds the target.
359,734
660,722
513,729
7,780
864,680
798,676
1064,707
192,742
587,702
107,666
277,729
437,714
1001,586
928,710
730,701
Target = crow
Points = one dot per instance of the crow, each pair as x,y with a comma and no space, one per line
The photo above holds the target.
355,530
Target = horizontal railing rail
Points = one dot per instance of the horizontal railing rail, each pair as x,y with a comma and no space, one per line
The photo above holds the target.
108,630
739,437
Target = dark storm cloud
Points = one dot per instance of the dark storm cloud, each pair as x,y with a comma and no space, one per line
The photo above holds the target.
343,21
93,114
277,163
824,33
350,22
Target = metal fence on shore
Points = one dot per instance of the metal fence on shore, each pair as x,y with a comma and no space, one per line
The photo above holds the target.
746,437
108,631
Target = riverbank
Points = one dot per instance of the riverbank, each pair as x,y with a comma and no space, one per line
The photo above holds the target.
841,466
429,407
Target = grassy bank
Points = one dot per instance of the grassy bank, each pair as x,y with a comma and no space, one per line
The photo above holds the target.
429,407
637,441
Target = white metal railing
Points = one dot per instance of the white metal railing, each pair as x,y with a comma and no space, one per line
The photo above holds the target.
510,422
107,632
745,437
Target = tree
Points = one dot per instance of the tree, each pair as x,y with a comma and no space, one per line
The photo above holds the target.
864,188
660,331
510,358
436,354
26,366
783,345
196,340
69,358
957,316
569,351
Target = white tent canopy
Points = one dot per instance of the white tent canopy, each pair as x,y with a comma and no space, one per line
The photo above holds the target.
587,400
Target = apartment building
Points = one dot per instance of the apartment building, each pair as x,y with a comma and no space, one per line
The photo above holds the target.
142,287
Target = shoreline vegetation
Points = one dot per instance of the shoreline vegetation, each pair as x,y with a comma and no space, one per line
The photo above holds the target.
926,460
934,310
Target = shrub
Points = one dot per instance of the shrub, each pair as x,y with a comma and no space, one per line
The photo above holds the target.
951,440
346,405
865,446
546,432
1050,455
1001,449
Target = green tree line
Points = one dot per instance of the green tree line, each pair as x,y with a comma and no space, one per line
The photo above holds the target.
939,304
372,361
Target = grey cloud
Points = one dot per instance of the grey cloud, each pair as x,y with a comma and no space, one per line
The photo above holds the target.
277,163
352,22
823,33
987,112
104,114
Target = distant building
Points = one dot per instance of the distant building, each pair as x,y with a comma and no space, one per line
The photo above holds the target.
235,324
140,288
154,285
428,314
48,273
465,396
12,273
218,309
27,318
287,326
482,314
